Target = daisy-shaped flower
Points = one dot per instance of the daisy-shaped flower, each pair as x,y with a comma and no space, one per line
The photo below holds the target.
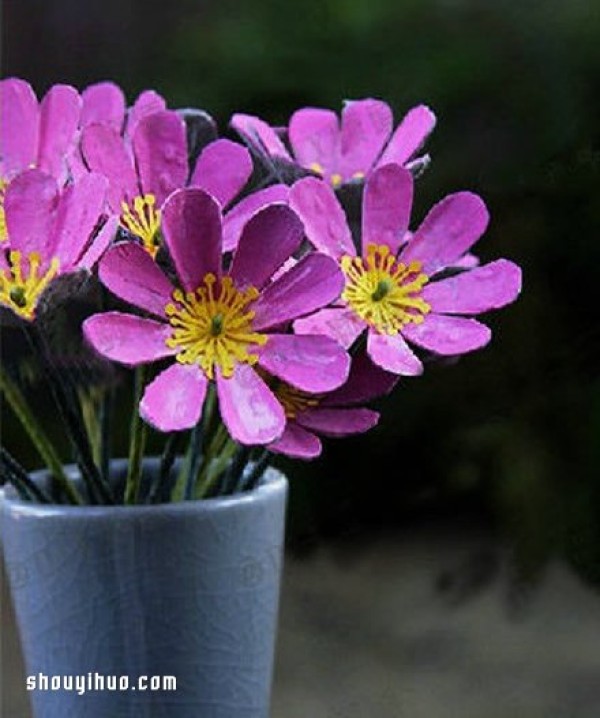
335,414
217,326
52,230
346,150
395,288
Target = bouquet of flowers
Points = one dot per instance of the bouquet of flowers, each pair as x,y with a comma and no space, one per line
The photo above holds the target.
263,290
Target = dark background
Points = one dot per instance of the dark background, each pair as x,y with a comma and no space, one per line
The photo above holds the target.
507,437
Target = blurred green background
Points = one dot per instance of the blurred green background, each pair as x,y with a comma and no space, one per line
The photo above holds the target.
509,436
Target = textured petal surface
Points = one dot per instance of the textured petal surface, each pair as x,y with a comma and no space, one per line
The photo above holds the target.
409,136
249,408
103,102
311,363
260,135
128,339
387,203
19,126
59,122
100,243
147,102
297,443
315,138
236,218
393,354
131,273
366,381
269,238
448,335
338,323
191,224
490,286
222,169
174,400
30,203
311,284
366,127
338,422
450,229
324,219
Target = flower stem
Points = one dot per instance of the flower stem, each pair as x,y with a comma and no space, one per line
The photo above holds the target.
222,449
19,478
137,442
257,471
235,472
161,486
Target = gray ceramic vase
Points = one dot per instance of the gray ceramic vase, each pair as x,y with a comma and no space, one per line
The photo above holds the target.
188,590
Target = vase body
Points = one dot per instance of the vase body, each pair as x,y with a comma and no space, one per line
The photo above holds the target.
140,594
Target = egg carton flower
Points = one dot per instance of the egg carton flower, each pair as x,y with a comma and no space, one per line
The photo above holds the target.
395,288
343,150
218,325
52,230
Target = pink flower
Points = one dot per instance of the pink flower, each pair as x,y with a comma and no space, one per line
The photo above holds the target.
51,231
333,414
341,152
395,289
218,325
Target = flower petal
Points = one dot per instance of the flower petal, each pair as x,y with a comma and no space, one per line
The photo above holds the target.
128,339
100,243
338,422
366,381
309,285
339,323
312,363
222,169
392,353
147,103
248,407
269,238
59,121
131,273
387,203
174,400
30,203
448,336
236,218
450,229
160,148
259,135
191,224
315,139
490,286
103,102
366,127
410,136
297,443
19,126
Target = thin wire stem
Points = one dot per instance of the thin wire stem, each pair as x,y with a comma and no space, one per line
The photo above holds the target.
19,478
137,441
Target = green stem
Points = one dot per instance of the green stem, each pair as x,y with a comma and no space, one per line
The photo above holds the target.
161,486
22,411
222,450
19,478
137,442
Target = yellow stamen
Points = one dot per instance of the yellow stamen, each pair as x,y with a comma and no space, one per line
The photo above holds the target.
21,286
293,400
211,326
384,292
317,168
142,219
3,230
336,180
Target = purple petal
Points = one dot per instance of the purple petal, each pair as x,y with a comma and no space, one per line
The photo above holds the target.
160,148
387,202
128,339
267,241
410,136
147,103
366,127
191,223
30,203
450,229
19,126
366,381
100,243
448,336
103,102
131,273
237,217
311,363
260,135
59,121
311,284
339,323
249,408
392,353
490,286
104,151
297,443
174,400
222,170
324,219
315,139
338,422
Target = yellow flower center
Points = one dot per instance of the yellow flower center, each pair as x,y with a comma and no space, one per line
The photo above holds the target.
384,292
211,326
336,179
3,230
142,219
293,400
21,286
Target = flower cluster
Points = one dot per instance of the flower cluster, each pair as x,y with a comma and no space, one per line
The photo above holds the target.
258,319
